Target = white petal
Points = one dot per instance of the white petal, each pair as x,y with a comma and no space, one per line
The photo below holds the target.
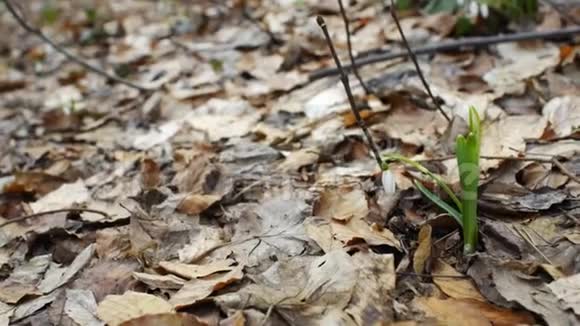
473,9
484,10
388,180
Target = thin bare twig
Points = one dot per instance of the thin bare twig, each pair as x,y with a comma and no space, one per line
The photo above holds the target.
62,210
415,62
464,44
36,31
431,275
565,170
349,44
346,84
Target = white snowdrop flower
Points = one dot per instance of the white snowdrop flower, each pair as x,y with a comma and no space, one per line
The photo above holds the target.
388,180
473,9
484,9
460,2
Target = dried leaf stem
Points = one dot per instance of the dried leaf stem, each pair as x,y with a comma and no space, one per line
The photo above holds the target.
463,44
346,84
62,210
415,62
99,71
349,45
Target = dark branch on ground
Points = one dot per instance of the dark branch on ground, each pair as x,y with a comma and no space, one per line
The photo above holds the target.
464,44
99,71
346,84
63,210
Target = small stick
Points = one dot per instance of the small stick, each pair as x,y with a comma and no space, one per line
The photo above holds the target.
464,44
414,59
62,210
349,44
345,83
431,275
67,54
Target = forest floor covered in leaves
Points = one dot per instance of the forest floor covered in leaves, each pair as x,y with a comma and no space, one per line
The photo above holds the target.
198,163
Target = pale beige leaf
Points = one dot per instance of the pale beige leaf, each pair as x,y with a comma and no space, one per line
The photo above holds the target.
423,252
342,204
196,289
81,307
115,309
568,291
191,271
56,277
456,288
159,281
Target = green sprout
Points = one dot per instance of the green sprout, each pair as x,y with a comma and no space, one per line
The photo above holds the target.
465,210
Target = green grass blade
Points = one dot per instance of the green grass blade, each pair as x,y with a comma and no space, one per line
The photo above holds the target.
467,151
439,202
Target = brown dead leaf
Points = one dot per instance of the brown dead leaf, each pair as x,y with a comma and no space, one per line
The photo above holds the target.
342,204
199,289
150,173
455,312
191,271
296,160
349,119
165,319
194,204
154,281
116,309
33,182
423,252
454,287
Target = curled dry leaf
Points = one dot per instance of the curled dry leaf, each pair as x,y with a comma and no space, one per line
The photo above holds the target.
455,288
191,271
116,309
342,204
199,289
166,319
471,312
423,252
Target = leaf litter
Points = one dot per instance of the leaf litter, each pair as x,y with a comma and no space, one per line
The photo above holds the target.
201,172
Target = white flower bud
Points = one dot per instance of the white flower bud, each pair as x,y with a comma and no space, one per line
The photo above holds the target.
484,9
388,180
473,9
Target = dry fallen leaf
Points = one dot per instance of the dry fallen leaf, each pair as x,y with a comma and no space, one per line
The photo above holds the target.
423,252
454,287
165,319
116,309
191,271
342,204
198,289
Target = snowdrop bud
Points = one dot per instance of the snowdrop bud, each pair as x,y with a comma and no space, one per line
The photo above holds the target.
484,10
388,180
473,9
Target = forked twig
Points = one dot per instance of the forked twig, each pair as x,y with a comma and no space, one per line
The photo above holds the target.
414,59
62,210
346,84
349,45
36,31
